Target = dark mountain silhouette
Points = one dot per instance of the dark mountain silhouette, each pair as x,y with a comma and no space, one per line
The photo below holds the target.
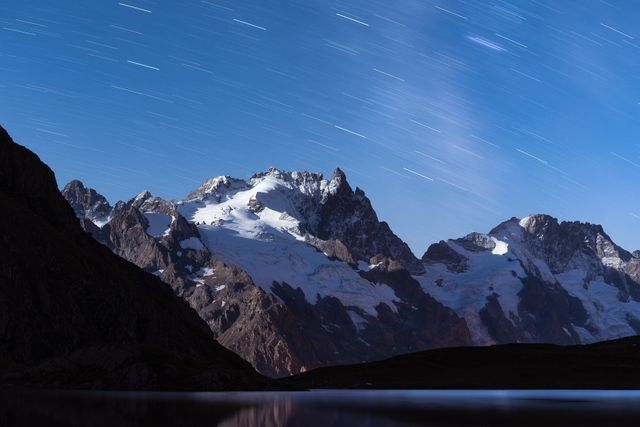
73,314
605,365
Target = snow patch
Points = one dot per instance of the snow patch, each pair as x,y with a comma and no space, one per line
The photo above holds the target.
501,247
159,224
192,243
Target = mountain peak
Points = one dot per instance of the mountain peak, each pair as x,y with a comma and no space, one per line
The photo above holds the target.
74,184
216,186
146,194
296,177
537,222
87,203
339,174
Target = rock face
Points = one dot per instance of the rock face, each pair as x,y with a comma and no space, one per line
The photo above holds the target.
72,314
248,256
348,216
537,280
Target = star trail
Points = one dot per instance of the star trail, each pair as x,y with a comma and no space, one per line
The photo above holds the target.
451,115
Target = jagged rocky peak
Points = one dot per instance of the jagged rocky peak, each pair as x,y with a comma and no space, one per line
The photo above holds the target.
310,183
546,227
296,177
147,202
348,216
216,187
561,242
87,203
140,198
477,242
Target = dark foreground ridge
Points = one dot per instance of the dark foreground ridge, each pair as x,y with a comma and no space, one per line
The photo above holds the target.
73,314
605,365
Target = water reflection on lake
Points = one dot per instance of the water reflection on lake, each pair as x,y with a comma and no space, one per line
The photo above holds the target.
321,408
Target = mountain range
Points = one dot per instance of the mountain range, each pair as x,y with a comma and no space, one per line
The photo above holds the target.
294,271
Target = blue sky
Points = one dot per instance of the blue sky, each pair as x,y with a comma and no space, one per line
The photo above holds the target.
452,115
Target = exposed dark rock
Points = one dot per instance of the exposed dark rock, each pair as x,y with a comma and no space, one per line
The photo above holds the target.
548,313
476,242
499,327
363,234
334,249
441,252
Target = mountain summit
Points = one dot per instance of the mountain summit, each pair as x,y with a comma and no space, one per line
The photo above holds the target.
536,279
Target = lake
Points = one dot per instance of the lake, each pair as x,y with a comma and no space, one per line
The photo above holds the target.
324,408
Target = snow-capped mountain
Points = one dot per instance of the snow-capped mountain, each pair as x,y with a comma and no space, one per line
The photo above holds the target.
290,270
294,271
537,280
297,205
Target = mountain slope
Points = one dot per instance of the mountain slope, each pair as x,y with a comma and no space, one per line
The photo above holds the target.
73,314
607,365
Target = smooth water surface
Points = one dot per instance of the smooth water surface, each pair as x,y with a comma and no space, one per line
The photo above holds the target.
322,408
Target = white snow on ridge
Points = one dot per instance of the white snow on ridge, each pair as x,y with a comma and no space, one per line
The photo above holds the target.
501,247
256,227
233,211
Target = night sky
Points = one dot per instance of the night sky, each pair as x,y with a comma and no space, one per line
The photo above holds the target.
452,115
